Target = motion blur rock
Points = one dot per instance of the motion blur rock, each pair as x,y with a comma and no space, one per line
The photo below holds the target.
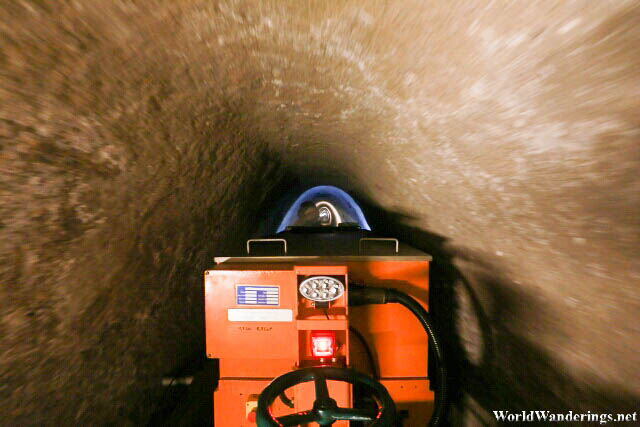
140,140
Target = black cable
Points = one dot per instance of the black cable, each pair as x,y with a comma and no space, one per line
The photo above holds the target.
367,349
393,295
362,295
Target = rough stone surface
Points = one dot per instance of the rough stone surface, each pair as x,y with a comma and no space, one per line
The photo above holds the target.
139,139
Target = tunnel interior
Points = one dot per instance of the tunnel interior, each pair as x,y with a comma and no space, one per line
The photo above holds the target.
141,140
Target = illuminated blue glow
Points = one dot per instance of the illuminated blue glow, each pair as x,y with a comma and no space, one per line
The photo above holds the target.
349,209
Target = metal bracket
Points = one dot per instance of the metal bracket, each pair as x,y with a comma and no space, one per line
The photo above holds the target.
378,239
284,242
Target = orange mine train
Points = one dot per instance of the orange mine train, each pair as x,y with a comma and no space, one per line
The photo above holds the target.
323,323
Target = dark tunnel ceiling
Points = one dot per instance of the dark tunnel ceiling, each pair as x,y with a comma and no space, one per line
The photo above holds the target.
139,141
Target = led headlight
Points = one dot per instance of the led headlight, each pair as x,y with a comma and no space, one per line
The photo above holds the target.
321,288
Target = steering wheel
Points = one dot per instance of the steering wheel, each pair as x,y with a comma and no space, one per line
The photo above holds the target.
325,410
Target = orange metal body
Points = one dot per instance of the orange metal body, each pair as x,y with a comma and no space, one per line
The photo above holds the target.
252,351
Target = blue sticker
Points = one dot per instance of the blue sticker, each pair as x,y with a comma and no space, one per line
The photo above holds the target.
257,295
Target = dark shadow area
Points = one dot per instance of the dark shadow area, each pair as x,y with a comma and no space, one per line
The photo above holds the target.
510,372
188,405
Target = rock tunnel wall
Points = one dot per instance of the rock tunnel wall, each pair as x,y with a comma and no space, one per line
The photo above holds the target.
141,139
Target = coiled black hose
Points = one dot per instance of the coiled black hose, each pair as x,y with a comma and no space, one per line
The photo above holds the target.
362,295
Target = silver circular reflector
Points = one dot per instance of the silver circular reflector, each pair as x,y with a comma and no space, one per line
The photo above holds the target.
321,288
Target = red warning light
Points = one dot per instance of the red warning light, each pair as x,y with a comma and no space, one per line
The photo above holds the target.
323,344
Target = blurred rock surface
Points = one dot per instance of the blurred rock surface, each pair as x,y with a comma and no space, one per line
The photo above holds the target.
140,139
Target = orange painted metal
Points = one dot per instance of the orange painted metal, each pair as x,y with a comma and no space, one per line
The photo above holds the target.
412,396
230,402
395,335
253,353
396,338
267,345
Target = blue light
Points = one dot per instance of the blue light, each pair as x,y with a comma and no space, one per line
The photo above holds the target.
341,200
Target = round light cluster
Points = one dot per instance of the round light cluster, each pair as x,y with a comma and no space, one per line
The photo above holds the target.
321,288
